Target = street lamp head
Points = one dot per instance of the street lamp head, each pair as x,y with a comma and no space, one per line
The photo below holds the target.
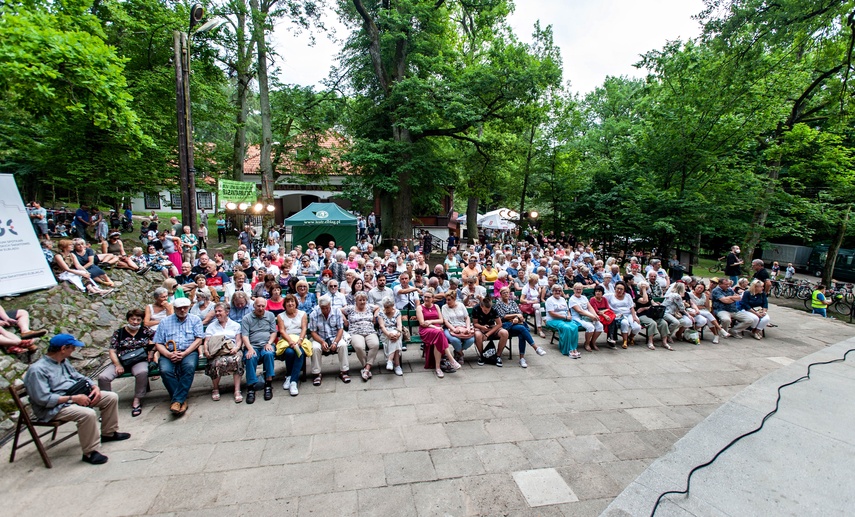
209,25
271,208
243,206
230,206
197,12
533,214
258,208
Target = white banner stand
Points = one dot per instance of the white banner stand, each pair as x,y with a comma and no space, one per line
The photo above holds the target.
22,264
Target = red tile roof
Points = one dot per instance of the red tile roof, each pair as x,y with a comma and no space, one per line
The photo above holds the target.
334,145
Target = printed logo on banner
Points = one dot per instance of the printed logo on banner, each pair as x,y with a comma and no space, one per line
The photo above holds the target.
8,226
322,214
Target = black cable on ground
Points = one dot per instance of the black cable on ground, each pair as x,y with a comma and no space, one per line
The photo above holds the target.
740,437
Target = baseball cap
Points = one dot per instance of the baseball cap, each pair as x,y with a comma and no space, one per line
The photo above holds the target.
201,252
65,340
714,279
182,302
115,234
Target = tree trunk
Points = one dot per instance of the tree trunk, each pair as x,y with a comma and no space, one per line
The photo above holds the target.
527,172
244,77
398,226
831,258
758,221
266,165
472,219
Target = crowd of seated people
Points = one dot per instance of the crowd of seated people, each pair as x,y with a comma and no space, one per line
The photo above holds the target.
299,306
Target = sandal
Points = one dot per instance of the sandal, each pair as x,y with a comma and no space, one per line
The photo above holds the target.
215,395
238,397
439,373
14,349
668,347
541,334
588,348
136,411
317,380
456,365
650,346
364,375
345,378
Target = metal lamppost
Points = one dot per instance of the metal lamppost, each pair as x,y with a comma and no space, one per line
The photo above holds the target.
187,171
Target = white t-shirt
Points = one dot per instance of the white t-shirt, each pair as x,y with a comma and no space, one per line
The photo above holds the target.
576,303
554,304
623,307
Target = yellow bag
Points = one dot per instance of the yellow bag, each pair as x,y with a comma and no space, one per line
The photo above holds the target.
305,347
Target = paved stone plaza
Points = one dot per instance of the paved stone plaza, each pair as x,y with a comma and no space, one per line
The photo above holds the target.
563,437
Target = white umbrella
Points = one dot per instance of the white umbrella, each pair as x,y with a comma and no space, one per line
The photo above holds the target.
495,221
462,219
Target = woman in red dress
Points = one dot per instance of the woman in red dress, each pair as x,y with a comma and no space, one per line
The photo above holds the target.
431,332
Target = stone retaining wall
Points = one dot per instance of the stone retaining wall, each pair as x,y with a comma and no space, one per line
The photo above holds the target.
65,309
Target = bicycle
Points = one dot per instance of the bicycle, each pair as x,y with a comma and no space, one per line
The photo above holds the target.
839,303
717,267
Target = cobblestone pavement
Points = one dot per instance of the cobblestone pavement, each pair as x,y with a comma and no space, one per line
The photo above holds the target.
562,437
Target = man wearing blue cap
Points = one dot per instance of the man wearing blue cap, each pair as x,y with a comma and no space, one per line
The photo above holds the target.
51,377
178,363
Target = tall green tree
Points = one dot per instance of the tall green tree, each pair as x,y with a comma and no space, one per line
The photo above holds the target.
407,66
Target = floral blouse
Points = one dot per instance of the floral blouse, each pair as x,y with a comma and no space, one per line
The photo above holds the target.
123,342
506,308
361,323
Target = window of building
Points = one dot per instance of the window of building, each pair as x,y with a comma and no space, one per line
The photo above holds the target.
152,201
175,200
204,200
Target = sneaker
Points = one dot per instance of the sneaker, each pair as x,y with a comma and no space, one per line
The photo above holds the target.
287,383
540,351
404,347
723,333
499,362
480,361
715,340
523,364
293,389
399,371
390,366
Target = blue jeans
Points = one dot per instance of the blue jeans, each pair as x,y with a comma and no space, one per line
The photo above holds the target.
251,363
821,312
521,331
294,364
178,377
458,344
734,279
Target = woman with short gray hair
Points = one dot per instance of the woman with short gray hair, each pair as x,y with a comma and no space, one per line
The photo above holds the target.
391,335
363,337
157,311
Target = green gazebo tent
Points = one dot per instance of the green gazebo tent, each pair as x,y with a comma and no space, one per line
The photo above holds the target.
322,222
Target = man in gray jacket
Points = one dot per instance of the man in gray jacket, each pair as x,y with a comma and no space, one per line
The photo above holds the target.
47,382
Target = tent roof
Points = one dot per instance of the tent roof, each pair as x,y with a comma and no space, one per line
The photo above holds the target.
322,214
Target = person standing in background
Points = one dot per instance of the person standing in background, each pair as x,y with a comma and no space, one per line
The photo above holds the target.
221,229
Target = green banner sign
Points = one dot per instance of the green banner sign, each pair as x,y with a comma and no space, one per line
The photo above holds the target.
237,191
